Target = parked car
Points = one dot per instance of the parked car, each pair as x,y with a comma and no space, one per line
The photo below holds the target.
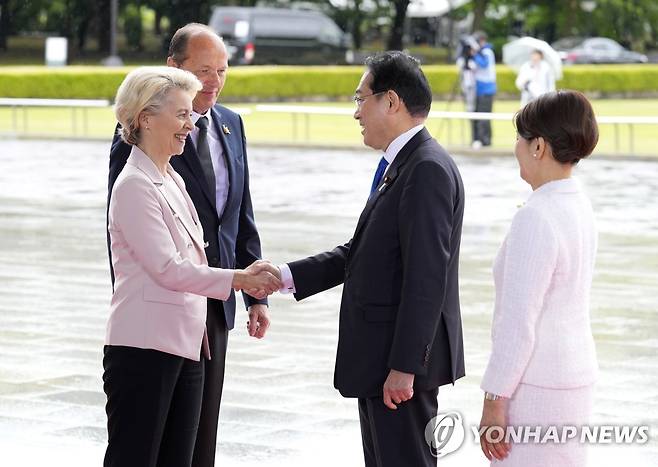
258,35
595,50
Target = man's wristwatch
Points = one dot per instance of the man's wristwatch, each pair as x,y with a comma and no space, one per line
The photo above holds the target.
491,397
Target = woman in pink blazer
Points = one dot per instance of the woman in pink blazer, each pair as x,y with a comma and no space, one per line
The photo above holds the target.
543,362
153,374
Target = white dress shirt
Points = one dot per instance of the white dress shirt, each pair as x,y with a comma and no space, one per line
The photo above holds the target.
391,152
541,332
217,158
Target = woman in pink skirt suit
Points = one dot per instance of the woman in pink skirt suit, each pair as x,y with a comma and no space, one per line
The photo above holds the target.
542,368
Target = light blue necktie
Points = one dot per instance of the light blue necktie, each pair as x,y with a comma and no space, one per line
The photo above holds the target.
381,168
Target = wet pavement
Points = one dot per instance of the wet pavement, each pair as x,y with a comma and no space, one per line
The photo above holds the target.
279,406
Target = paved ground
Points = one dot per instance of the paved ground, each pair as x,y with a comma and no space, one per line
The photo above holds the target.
279,405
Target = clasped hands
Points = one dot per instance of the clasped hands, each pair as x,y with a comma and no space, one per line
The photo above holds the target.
262,278
259,280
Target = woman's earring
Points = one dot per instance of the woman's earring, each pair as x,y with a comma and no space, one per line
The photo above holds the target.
534,155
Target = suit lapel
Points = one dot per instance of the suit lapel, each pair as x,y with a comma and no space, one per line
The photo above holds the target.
390,177
225,133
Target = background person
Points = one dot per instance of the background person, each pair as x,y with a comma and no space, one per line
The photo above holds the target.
536,77
216,174
153,375
485,88
542,367
400,334
467,67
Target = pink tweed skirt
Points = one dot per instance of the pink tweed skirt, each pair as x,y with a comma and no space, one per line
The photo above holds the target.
533,406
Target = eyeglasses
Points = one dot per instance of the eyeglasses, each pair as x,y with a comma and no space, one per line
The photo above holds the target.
359,100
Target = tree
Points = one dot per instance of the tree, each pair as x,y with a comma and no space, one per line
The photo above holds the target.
349,19
132,24
5,22
181,12
102,20
397,28
479,10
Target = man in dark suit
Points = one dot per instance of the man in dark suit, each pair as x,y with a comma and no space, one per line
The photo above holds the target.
214,168
400,334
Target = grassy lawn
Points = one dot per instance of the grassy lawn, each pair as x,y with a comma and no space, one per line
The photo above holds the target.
336,130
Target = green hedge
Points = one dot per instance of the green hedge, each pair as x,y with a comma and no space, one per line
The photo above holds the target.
281,83
65,83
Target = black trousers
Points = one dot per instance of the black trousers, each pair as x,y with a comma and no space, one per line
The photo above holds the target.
153,407
396,438
206,442
482,128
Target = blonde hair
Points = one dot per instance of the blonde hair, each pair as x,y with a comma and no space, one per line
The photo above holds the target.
144,90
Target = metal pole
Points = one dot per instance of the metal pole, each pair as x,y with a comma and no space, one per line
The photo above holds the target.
308,124
113,59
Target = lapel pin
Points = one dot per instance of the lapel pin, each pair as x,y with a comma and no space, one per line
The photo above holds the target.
206,244
386,182
226,130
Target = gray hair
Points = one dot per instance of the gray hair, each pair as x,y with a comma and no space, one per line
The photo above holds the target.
144,90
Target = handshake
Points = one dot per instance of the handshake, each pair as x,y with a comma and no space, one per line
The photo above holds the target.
259,280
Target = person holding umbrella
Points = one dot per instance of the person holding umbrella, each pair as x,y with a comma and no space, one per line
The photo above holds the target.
537,75
535,78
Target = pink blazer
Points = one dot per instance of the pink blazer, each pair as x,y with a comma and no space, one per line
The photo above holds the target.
162,275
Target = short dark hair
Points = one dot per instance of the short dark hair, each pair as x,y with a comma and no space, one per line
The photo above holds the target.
399,72
565,119
178,43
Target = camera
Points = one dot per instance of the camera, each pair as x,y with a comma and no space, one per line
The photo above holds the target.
466,45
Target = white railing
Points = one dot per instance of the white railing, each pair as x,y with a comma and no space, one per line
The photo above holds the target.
301,119
301,115
23,106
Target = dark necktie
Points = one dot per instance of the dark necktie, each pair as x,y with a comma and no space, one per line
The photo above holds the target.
203,150
381,168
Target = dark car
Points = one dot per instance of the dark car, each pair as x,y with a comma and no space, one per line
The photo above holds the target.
280,36
595,50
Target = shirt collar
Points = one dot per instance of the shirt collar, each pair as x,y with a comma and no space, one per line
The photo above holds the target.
196,116
398,143
563,185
